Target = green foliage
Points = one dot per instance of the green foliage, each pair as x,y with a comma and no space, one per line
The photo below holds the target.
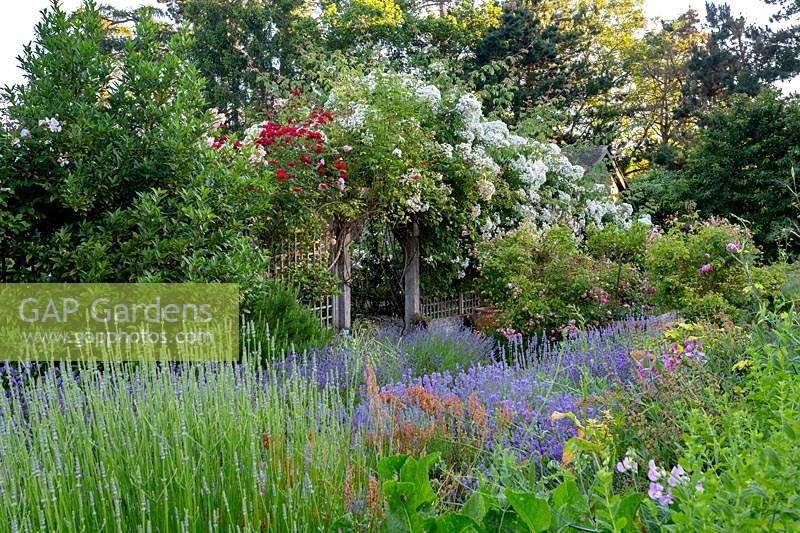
546,282
106,168
674,261
656,192
408,492
280,323
742,164
748,448
243,60
618,244
489,509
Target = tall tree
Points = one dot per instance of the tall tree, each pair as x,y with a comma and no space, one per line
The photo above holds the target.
246,48
738,57
742,164
566,55
651,125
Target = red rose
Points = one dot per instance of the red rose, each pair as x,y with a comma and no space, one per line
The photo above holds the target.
340,165
281,174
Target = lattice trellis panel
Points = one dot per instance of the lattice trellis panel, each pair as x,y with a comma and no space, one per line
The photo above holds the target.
463,304
297,253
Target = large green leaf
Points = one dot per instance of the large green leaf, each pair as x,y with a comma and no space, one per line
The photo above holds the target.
532,510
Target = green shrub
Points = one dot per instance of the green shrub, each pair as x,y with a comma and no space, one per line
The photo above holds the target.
693,272
618,244
546,282
104,163
281,323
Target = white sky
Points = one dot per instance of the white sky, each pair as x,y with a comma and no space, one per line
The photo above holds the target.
17,18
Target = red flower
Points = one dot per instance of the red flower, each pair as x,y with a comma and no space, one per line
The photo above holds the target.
292,163
305,159
323,186
237,144
318,149
281,174
298,190
340,165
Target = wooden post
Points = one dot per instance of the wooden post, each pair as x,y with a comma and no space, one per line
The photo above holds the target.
411,273
341,269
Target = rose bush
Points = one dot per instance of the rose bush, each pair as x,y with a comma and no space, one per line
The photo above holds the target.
545,282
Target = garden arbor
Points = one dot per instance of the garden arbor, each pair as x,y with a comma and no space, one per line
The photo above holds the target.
420,161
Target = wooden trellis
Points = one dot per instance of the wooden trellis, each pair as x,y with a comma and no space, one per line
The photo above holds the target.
298,253
463,304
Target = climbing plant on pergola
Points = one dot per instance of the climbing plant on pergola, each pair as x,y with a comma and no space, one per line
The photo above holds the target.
389,148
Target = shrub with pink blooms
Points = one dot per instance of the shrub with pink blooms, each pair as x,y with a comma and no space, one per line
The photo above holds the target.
548,283
709,268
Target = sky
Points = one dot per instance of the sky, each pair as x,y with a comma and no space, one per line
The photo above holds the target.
19,16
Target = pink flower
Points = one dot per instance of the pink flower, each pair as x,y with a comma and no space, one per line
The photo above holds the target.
654,473
705,269
655,491
340,184
677,476
347,148
735,246
323,186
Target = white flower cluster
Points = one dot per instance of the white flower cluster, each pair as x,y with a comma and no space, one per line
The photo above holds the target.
356,117
599,211
470,109
476,156
431,95
463,264
486,189
411,179
445,149
490,228
52,124
532,172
